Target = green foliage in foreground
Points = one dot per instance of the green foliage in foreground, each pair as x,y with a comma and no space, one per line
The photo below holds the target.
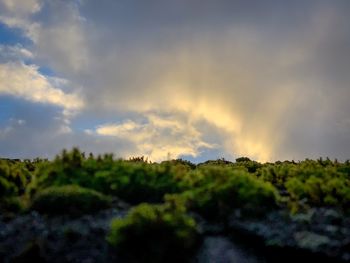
154,233
213,188
134,181
69,199
219,190
311,183
14,179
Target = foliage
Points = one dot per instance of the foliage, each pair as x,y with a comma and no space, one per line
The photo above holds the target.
251,166
69,199
15,177
221,162
154,233
215,184
216,191
311,183
134,181
242,160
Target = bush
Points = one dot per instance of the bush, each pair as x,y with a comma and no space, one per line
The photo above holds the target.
7,188
154,233
14,177
69,199
133,181
319,191
227,189
252,166
137,182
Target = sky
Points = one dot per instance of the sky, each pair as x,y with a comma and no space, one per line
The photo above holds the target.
192,79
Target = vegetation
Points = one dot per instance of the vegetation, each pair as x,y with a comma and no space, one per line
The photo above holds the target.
215,191
154,233
211,188
14,179
69,199
134,180
311,183
164,194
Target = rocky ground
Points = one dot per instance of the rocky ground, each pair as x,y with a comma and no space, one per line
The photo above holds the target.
320,233
58,239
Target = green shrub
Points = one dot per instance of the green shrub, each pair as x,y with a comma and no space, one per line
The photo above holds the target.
277,174
14,177
138,182
208,174
133,181
251,166
69,199
226,190
315,184
7,188
154,233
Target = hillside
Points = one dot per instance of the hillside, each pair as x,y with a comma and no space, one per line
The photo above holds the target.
79,208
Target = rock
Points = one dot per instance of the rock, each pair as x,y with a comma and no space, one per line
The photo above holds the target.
332,216
303,218
331,229
66,239
309,240
219,249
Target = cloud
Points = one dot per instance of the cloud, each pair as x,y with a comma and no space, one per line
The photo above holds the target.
34,131
61,40
265,80
158,137
21,7
25,81
55,28
16,52
17,14
258,80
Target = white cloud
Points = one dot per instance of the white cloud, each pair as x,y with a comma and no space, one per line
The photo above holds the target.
25,81
60,40
63,45
16,52
158,137
18,13
30,29
20,7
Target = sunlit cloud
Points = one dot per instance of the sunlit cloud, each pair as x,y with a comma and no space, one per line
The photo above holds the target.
25,81
158,138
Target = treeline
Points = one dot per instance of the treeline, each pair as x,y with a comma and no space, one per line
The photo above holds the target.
165,195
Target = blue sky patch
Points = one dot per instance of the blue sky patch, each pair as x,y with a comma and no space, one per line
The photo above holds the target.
10,36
